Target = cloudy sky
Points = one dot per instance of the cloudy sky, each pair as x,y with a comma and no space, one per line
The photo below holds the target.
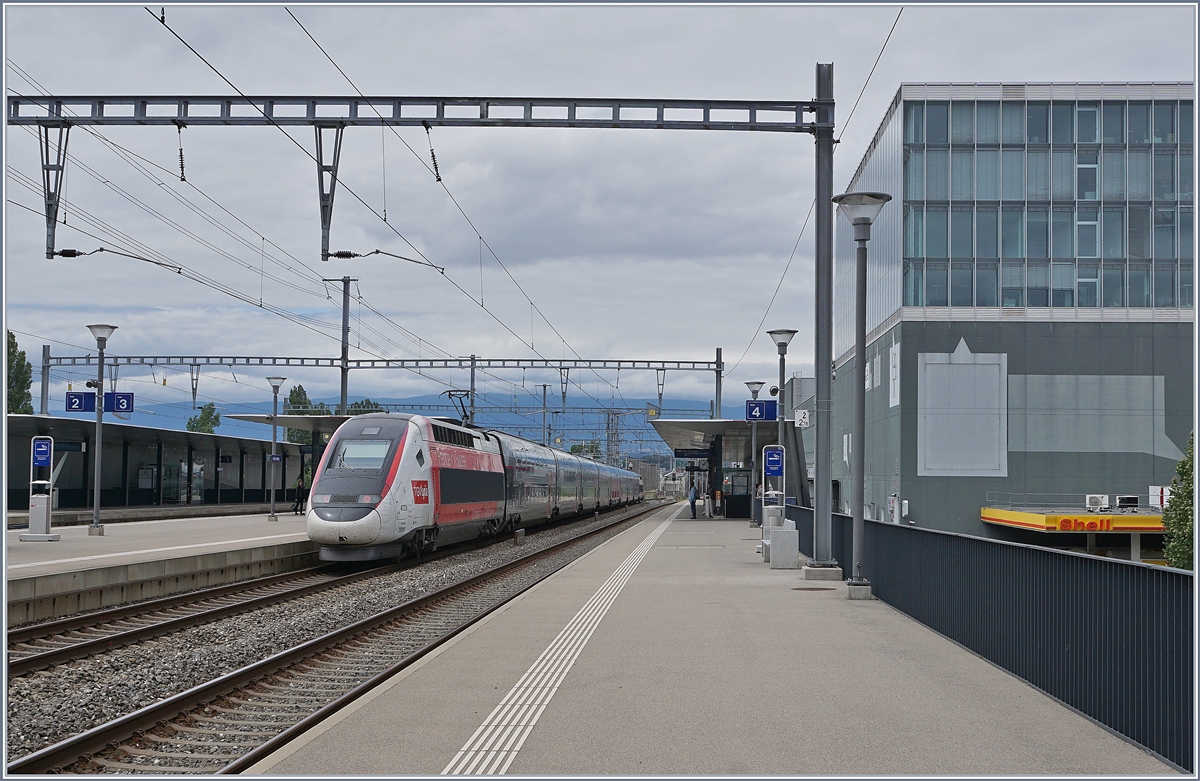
633,244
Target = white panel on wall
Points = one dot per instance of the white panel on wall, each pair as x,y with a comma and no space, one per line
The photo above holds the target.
894,372
877,375
962,413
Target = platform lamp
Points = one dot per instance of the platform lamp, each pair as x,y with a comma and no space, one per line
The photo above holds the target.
860,209
754,387
102,333
275,383
781,337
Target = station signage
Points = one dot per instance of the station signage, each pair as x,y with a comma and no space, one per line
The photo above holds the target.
692,453
275,458
773,462
116,402
43,451
765,409
79,401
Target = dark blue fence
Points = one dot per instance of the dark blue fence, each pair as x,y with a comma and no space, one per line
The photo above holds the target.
1110,638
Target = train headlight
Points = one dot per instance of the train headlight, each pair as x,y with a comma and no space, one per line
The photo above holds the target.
320,498
369,499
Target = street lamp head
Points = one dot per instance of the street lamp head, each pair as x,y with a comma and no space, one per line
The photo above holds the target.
755,387
276,382
861,206
781,337
101,332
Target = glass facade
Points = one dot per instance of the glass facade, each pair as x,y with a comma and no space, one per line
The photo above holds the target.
1046,203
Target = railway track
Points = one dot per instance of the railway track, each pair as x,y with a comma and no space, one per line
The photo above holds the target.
226,725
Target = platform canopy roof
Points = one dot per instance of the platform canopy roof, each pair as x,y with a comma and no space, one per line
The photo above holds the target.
699,434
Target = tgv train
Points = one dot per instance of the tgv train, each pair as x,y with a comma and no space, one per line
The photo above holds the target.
394,484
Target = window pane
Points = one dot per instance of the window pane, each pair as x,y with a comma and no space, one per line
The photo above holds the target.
987,174
1164,283
1013,288
1114,123
1088,284
1114,283
1139,123
962,284
1114,174
1185,122
986,287
1038,245
962,115
935,233
1087,186
1064,233
1014,123
937,175
1087,239
914,122
936,121
914,174
935,283
1139,284
1164,176
1064,123
1185,284
1062,187
1139,175
1039,175
1087,117
1038,127
987,233
914,232
961,238
1164,232
963,173
1164,133
987,130
1185,177
1114,232
1038,283
1185,233
1014,175
914,284
1139,232
1062,284
1012,234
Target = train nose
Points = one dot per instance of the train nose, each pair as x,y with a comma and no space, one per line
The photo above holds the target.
363,531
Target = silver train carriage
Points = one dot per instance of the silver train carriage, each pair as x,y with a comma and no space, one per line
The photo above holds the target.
391,484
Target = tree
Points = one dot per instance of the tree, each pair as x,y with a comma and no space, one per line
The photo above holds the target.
297,403
1178,517
20,379
590,449
363,407
207,421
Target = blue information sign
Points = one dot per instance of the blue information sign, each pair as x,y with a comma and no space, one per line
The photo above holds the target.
275,457
766,409
773,463
80,401
43,451
117,402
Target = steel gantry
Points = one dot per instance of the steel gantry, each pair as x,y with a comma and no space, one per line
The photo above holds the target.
55,114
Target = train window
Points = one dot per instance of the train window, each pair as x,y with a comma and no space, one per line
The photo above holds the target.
360,453
420,458
370,431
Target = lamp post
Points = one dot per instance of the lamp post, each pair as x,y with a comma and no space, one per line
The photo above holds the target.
860,209
781,337
101,332
754,388
275,383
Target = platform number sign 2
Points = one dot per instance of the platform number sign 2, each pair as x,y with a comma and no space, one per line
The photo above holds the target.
79,401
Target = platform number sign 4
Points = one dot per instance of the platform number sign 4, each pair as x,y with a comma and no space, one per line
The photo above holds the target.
765,409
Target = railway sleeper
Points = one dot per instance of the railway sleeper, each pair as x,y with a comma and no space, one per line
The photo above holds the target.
126,767
222,733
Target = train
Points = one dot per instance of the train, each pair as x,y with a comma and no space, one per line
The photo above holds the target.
391,485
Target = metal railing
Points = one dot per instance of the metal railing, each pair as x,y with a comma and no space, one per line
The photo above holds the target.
1111,639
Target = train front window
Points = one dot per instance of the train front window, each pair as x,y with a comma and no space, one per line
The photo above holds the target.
360,454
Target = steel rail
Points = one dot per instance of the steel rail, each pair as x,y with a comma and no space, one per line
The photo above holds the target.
84,745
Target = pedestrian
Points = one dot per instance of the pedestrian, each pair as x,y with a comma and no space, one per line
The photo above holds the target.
301,495
692,500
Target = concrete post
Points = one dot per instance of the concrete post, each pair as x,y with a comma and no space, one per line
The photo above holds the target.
823,518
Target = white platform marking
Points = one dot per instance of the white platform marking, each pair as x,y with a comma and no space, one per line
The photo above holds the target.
495,744
150,550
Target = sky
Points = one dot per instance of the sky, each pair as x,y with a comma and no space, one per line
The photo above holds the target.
632,244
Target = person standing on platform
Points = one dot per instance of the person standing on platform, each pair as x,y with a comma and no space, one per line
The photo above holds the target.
298,505
692,500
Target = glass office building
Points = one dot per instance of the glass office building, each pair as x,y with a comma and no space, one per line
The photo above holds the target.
1030,295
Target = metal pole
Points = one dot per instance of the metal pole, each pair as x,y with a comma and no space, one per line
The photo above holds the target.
823,515
862,233
779,411
98,456
45,379
720,367
274,413
754,468
472,413
544,387
342,407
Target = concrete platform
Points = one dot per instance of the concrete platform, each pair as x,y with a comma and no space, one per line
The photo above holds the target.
706,661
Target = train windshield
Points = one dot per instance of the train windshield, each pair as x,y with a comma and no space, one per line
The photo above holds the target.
360,454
